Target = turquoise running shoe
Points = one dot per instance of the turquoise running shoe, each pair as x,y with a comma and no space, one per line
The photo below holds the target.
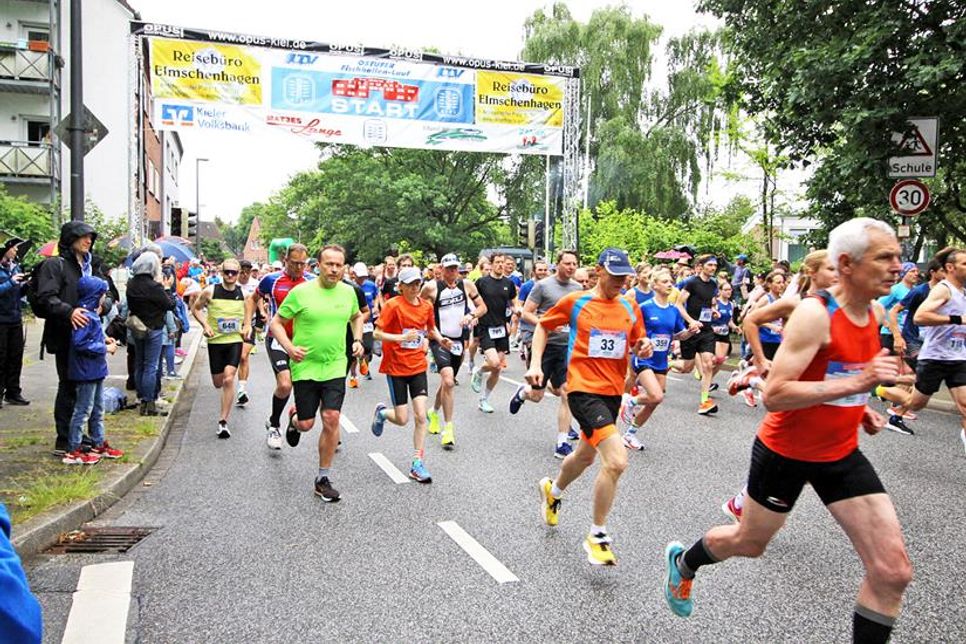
418,472
677,589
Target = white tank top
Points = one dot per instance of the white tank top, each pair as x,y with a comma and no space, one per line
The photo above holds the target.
450,308
946,341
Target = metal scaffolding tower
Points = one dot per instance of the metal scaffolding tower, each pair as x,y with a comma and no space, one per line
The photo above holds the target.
572,198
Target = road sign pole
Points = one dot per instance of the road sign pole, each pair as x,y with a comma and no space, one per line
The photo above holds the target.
77,114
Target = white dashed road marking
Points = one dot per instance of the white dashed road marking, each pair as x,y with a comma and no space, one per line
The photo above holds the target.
386,466
99,610
480,555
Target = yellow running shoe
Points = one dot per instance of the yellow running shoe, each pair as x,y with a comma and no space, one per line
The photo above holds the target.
448,439
598,550
433,421
551,504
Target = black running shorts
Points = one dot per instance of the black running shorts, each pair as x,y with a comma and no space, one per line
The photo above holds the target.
310,395
930,375
445,358
500,344
276,355
703,342
593,413
224,355
402,388
554,366
776,481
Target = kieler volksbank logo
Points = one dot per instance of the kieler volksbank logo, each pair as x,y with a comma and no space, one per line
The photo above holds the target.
177,115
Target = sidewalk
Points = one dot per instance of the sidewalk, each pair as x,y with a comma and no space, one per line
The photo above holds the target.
46,497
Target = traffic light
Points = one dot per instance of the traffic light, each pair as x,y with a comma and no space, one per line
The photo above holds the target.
193,226
175,225
539,235
522,234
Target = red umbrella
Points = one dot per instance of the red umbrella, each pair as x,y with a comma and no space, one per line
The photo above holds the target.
49,249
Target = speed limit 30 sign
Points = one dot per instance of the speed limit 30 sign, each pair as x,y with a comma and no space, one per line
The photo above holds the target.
909,197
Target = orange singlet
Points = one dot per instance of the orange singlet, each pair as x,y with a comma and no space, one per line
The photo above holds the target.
829,431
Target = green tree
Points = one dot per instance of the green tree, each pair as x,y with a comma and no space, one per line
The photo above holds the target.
851,75
27,220
213,250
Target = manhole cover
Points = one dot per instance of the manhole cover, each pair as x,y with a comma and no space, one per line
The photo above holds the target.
99,540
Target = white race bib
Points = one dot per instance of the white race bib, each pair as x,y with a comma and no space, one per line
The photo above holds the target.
276,346
956,344
457,348
563,329
844,370
611,345
367,327
496,332
228,325
412,344
661,342
720,329
705,315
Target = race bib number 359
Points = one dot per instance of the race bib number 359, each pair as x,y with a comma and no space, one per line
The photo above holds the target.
611,345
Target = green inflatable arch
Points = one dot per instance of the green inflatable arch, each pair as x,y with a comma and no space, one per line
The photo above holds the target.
277,248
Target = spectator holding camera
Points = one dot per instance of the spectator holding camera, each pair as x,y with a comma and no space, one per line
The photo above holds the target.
13,283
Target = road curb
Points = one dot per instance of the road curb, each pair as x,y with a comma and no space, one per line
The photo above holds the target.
40,532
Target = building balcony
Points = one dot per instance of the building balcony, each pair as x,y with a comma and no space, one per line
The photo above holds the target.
22,162
28,70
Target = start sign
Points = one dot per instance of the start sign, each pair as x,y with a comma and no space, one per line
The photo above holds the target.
909,197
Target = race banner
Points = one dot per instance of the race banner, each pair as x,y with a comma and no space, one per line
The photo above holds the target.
354,95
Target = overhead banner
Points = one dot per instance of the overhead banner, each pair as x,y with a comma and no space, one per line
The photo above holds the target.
353,95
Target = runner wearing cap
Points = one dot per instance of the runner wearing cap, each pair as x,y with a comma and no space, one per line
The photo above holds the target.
696,304
604,328
817,395
317,312
544,295
360,273
450,297
497,292
404,325
273,288
222,324
247,286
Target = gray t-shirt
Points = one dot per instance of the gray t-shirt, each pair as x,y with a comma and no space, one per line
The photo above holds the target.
545,294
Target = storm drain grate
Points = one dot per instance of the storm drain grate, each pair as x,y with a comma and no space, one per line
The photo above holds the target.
99,540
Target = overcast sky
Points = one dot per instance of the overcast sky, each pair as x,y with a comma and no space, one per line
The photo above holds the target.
246,168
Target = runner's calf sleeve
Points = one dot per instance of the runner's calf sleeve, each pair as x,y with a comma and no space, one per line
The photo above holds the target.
278,406
695,557
870,627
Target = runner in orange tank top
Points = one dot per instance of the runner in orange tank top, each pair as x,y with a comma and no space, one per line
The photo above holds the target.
816,395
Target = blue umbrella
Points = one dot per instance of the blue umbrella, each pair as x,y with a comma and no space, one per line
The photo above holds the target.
180,252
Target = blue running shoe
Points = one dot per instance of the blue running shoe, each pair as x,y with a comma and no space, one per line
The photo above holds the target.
377,420
572,435
516,402
677,589
418,472
563,450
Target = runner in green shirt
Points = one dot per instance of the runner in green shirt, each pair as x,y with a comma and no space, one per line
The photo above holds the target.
319,311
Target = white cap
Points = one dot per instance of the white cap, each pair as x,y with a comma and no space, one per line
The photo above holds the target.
409,275
277,264
360,269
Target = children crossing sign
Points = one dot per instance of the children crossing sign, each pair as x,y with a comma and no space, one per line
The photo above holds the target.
918,149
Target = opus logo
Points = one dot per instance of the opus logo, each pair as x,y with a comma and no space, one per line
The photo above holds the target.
174,114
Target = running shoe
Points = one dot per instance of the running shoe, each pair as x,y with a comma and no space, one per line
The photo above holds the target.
551,504
448,438
628,412
696,373
273,438
707,407
418,472
731,509
433,417
242,398
677,589
106,451
749,397
485,406
713,386
599,553
78,457
325,491
476,380
516,401
896,424
378,422
353,382
740,380
572,435
631,442
893,411
222,431
563,450
292,433
363,366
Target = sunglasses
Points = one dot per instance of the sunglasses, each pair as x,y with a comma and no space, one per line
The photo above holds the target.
229,273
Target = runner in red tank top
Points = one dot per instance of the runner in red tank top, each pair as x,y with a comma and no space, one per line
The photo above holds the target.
816,394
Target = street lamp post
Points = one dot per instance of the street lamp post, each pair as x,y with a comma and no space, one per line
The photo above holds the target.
197,239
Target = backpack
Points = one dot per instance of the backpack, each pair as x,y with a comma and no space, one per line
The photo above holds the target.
33,291
114,400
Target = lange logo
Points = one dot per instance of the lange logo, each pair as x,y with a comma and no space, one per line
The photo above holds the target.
173,114
458,133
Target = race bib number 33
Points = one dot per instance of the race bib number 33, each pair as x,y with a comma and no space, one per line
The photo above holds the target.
611,345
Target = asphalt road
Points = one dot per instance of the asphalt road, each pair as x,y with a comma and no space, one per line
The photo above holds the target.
245,552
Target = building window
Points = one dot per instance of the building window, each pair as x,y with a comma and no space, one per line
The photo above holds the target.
36,32
796,250
38,132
